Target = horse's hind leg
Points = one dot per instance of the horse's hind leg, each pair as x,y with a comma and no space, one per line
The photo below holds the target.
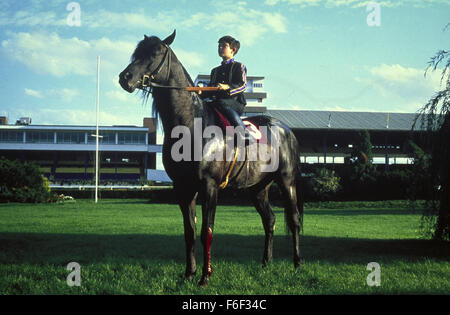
292,214
261,202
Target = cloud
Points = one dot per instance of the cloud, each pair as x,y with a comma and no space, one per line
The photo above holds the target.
162,21
77,117
407,87
407,75
396,73
302,3
32,18
249,25
33,93
81,117
64,94
355,3
51,54
118,95
190,58
275,21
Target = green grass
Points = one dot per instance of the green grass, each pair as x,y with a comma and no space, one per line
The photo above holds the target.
132,247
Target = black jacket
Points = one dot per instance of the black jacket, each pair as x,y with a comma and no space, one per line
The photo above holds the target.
234,74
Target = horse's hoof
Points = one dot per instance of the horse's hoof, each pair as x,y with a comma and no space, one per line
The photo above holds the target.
266,264
298,264
188,277
203,283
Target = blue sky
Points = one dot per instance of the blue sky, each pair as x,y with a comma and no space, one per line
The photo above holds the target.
314,54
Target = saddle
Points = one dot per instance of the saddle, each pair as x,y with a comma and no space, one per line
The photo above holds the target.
254,130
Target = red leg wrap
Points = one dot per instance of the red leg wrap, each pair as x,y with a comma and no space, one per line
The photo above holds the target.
208,250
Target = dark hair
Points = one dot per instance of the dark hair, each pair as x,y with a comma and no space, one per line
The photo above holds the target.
234,43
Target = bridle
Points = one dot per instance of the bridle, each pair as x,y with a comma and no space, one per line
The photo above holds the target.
147,79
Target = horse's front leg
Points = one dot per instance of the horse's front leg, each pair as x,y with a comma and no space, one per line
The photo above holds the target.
187,201
210,191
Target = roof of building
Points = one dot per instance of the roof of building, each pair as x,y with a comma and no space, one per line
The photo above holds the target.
306,119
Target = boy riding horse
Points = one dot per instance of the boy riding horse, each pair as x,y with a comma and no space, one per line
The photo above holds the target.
231,79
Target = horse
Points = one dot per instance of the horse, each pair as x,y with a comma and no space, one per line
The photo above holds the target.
155,69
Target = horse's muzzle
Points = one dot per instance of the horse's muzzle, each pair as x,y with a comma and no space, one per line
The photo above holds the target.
124,81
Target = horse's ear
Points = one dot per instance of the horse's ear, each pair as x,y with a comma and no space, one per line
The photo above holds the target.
169,40
145,36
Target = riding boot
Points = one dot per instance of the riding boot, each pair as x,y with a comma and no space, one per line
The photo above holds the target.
236,121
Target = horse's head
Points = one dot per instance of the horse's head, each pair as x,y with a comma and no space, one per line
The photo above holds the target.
147,63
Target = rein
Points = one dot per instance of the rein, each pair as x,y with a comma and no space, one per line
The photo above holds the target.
147,79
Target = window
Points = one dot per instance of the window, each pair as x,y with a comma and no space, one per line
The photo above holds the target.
70,137
105,137
108,138
11,136
131,138
40,137
257,85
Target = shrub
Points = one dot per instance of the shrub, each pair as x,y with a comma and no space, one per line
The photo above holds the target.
325,184
22,182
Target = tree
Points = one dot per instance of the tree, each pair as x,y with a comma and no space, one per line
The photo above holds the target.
421,182
361,158
359,176
435,118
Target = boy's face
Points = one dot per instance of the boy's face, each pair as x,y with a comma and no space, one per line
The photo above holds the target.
225,51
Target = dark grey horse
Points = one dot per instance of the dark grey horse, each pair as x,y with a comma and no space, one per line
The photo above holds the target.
155,69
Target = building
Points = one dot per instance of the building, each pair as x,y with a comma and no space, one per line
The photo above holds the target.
127,153
327,137
254,93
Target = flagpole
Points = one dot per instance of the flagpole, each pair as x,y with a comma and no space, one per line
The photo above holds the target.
96,134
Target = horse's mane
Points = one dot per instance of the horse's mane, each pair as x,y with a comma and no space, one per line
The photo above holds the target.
145,47
143,50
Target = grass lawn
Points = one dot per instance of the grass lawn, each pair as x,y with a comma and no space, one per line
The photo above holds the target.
133,247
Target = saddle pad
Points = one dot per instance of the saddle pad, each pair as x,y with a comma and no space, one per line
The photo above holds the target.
252,128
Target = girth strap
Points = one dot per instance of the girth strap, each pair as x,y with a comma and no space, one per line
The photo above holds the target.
225,183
